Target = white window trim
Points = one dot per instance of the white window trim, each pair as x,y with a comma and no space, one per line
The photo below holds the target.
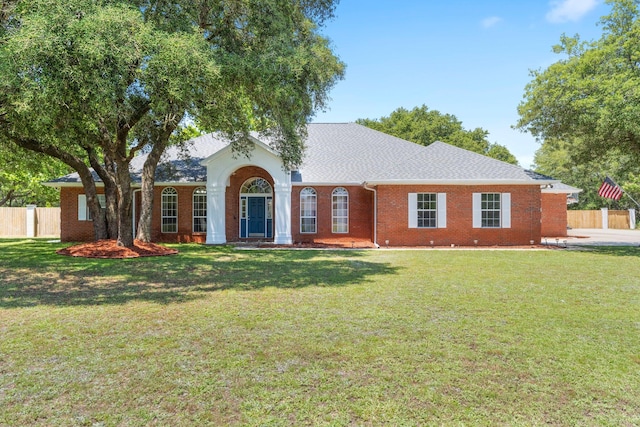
333,215
162,215
193,209
441,210
315,217
84,214
505,210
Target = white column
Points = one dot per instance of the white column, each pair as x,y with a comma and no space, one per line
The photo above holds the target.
605,218
632,219
31,220
283,214
216,233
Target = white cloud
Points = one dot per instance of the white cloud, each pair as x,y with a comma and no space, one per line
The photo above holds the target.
491,21
569,10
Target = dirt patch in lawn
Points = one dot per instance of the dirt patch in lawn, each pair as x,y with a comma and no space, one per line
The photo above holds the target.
110,249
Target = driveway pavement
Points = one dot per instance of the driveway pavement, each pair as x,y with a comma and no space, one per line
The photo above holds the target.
599,237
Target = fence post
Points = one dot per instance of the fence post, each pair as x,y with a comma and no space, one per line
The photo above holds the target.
605,218
31,220
632,219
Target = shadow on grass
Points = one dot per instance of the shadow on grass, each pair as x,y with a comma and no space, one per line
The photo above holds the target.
633,251
32,274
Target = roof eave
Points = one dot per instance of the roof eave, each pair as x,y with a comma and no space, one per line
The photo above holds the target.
460,182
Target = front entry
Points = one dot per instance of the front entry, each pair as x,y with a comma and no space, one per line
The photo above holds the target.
256,217
256,209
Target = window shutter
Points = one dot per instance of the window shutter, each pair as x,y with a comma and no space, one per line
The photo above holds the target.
506,210
413,210
82,207
477,210
442,210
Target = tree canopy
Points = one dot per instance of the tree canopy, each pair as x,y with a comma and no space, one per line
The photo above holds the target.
591,95
585,108
95,83
424,127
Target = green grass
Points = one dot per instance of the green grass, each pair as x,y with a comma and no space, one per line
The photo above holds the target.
217,336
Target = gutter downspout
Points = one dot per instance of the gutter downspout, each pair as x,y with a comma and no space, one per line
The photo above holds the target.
375,213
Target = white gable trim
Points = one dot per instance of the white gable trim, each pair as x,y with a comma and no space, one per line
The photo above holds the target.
221,165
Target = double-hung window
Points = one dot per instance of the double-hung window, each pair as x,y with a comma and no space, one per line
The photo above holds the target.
491,210
427,210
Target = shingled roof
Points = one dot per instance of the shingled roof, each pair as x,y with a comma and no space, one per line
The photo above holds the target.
349,153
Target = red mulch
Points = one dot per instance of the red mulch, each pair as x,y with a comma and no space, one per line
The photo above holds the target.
110,249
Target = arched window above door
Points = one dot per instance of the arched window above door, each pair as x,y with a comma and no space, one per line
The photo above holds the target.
256,186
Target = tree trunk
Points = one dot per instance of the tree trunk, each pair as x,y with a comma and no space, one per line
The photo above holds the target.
149,172
106,173
148,181
125,222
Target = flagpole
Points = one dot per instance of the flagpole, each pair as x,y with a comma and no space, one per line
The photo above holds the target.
632,199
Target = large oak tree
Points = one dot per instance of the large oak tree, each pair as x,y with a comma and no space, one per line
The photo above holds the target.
95,83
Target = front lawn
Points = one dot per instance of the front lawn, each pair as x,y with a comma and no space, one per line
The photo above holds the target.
217,336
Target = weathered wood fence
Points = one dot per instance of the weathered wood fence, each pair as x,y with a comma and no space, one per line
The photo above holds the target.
596,219
29,222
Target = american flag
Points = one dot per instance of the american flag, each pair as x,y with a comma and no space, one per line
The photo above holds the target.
610,189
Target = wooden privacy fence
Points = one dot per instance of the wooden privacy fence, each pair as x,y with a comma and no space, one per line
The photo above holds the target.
29,222
596,219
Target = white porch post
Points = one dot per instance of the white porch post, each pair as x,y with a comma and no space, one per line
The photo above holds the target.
216,233
283,214
605,218
31,220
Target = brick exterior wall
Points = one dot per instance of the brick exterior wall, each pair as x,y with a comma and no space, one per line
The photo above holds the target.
360,215
185,216
554,215
526,216
393,217
72,230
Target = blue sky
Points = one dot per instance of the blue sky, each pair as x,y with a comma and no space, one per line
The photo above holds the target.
469,58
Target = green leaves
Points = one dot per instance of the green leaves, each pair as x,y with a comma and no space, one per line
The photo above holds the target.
424,126
593,93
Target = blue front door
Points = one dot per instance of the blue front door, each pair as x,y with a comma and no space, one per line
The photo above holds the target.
256,216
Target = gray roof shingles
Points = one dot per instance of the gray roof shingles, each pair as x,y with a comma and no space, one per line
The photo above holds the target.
344,153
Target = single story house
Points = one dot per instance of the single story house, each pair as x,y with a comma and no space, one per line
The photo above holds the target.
355,185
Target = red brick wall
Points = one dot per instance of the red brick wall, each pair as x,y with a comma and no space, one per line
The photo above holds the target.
393,217
360,215
72,230
185,216
554,215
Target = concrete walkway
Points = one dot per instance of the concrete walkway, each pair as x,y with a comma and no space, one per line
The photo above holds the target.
599,237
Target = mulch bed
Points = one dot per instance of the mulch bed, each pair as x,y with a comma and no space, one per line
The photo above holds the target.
110,249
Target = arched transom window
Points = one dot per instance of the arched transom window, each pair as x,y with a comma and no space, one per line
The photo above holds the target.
256,186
